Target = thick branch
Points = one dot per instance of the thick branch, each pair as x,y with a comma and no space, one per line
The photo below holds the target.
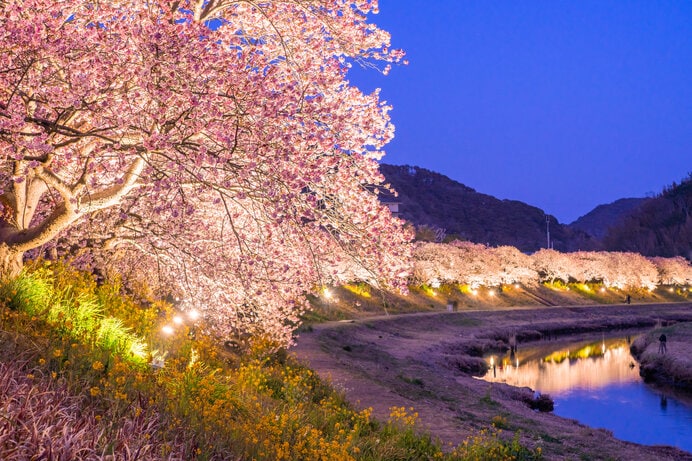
68,212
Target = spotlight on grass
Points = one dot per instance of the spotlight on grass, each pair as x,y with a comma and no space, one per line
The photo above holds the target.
168,330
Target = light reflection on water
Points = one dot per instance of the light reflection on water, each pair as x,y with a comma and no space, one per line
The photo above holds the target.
576,366
598,383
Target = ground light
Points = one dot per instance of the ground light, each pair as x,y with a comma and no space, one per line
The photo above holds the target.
158,359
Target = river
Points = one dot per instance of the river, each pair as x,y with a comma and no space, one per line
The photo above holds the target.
596,381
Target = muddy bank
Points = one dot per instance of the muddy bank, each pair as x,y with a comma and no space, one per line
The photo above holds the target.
426,361
670,368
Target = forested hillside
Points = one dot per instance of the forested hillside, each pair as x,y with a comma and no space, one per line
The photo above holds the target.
429,198
597,221
662,226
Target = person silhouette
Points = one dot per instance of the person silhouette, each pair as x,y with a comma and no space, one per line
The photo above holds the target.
662,349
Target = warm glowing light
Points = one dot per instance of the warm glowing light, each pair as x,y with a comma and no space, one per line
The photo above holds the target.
516,285
327,294
474,292
178,320
671,289
139,349
491,292
167,330
603,289
194,357
193,314
492,361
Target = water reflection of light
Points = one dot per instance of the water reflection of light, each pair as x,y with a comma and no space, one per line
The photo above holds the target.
588,367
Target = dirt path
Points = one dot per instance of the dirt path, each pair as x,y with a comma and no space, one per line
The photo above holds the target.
418,360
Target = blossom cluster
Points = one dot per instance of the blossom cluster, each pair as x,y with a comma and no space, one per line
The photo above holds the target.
475,264
215,146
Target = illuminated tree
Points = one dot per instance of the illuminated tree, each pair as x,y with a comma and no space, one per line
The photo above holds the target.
614,269
471,264
475,264
552,265
673,271
214,144
515,266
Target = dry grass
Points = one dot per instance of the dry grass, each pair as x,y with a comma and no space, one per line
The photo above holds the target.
349,303
673,368
41,419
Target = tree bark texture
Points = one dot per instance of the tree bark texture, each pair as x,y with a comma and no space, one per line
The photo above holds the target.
11,262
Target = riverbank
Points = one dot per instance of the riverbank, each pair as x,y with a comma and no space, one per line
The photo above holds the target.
362,300
426,361
672,368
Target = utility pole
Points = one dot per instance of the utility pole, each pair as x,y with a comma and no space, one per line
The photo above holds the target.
547,228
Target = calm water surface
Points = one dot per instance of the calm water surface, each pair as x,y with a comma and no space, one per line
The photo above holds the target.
597,382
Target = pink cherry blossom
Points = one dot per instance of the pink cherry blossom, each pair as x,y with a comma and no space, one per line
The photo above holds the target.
233,164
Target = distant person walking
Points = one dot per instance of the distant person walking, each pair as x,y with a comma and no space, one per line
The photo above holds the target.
629,299
662,349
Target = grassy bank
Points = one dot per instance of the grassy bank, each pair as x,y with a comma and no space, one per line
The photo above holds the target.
672,368
426,361
362,300
87,373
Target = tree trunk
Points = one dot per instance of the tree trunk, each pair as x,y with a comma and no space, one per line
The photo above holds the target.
11,262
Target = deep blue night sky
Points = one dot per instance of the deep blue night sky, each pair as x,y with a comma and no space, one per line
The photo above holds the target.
564,105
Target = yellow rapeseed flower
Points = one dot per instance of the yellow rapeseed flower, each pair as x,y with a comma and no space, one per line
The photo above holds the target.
97,365
57,353
94,391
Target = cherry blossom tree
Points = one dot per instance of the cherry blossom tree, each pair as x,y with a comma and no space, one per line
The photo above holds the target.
475,264
673,271
215,145
552,265
515,266
471,264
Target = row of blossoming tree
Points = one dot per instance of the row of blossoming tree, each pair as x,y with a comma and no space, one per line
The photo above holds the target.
215,146
476,264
